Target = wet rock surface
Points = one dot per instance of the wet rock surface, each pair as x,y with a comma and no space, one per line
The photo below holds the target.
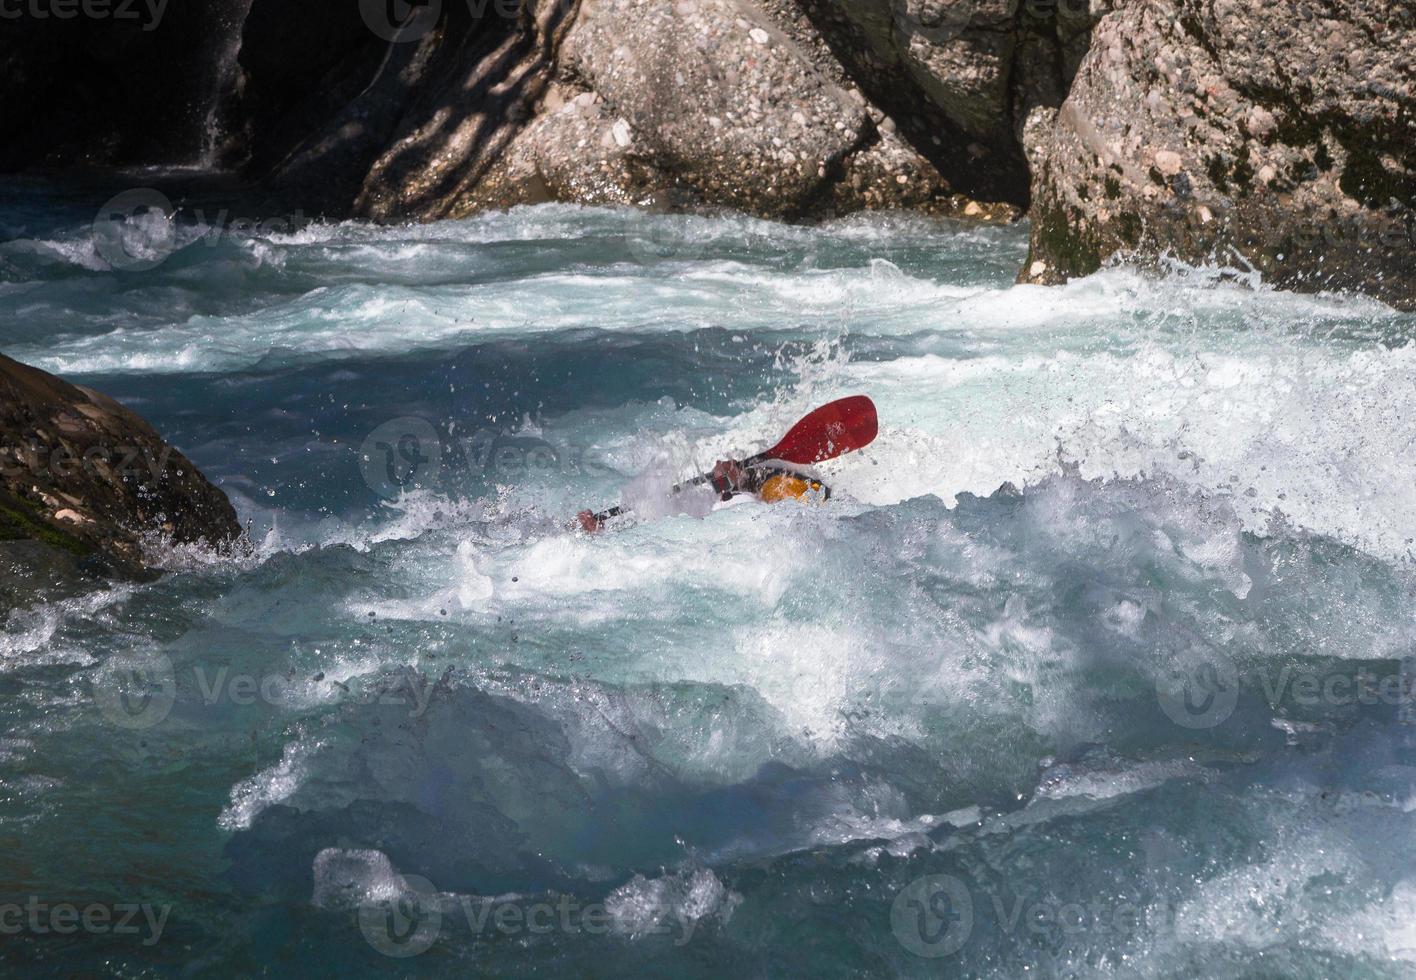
1207,130
1218,132
713,104
88,487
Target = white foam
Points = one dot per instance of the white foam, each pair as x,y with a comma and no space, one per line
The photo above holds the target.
1386,927
348,878
28,635
1314,432
256,793
645,906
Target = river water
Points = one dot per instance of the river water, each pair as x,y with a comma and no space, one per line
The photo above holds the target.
1152,716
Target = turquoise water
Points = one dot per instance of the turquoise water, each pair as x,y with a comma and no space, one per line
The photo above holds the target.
1149,718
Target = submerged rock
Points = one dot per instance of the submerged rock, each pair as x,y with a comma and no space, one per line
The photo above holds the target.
87,485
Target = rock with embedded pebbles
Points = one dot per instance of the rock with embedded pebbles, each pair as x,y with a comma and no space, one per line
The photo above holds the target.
86,483
1215,131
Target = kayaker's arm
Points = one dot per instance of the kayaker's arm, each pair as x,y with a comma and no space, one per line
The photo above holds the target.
729,478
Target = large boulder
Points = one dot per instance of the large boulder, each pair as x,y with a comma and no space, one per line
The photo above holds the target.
723,99
1218,130
573,150
473,90
757,105
712,103
956,76
83,478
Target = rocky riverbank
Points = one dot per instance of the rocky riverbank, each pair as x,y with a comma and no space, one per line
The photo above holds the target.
1208,130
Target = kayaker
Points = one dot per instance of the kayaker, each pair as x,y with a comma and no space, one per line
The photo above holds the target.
770,483
730,477
832,430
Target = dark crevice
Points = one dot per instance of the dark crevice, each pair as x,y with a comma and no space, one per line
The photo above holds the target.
108,92
1001,176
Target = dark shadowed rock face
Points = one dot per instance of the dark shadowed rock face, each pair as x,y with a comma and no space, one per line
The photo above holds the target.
141,83
784,108
1232,131
85,481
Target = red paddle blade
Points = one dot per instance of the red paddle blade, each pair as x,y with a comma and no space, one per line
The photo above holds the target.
829,431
